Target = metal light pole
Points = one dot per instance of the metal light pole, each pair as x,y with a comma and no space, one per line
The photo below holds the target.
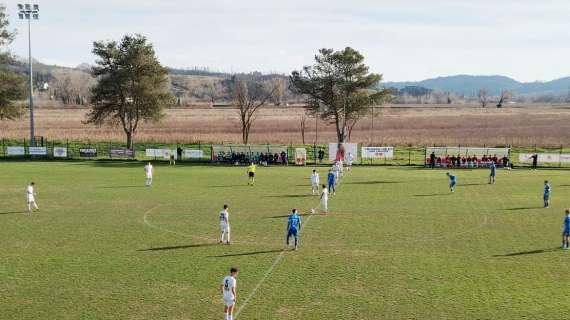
29,12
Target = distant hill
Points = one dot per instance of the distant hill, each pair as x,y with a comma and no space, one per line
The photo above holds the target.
469,85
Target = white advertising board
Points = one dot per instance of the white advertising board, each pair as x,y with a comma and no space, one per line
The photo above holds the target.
340,151
193,153
16,151
546,157
300,156
37,151
60,152
377,152
158,153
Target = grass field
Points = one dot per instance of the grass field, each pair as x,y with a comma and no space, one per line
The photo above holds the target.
397,245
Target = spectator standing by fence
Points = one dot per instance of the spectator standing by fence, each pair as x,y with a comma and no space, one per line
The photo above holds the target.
534,161
432,160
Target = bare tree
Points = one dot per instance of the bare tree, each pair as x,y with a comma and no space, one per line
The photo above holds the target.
280,86
483,97
303,126
73,87
505,97
213,90
249,95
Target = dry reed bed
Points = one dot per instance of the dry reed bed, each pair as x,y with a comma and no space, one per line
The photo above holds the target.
417,126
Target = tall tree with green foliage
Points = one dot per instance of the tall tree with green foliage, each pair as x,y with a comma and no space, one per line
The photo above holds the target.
132,86
12,84
339,88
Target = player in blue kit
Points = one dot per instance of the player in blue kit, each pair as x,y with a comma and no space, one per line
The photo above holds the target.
452,181
566,230
493,173
293,228
546,197
331,179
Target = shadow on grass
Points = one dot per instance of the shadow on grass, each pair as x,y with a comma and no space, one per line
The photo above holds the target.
13,212
292,196
432,195
231,186
123,187
372,182
523,253
473,184
245,254
181,247
522,208
286,215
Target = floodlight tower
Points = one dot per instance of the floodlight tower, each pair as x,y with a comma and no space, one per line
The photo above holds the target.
28,12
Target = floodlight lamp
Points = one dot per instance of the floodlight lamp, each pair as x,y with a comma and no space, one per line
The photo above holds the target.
36,7
21,15
20,6
28,6
27,16
36,16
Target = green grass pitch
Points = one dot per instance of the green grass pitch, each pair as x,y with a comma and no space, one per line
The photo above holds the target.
397,244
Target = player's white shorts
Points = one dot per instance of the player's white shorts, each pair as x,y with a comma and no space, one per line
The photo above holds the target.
315,184
324,203
31,199
225,227
149,176
229,300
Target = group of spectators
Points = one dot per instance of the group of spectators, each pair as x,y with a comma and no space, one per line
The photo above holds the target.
466,161
260,158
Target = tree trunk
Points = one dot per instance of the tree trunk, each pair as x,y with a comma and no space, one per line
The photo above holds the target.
130,140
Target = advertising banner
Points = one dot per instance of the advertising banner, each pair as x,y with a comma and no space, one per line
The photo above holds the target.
340,151
87,152
193,153
158,153
122,153
16,151
60,152
37,151
377,152
300,156
546,157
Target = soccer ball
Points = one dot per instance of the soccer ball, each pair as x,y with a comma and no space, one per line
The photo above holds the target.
312,211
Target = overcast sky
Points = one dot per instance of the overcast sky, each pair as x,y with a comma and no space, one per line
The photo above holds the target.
402,39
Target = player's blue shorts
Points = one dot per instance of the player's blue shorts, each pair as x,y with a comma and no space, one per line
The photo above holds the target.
566,232
546,197
493,174
452,184
292,232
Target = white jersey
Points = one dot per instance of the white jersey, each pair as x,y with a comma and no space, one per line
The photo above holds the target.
224,217
325,195
30,193
148,170
228,284
315,179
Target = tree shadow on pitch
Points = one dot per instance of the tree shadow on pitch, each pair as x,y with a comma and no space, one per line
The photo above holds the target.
286,215
523,208
523,253
292,196
372,182
181,247
245,254
123,187
432,195
13,212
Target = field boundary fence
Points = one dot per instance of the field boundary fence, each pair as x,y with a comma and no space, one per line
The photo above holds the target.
270,154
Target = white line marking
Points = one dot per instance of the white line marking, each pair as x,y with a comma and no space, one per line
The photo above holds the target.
147,222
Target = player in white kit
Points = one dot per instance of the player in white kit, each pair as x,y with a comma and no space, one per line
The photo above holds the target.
148,169
228,288
325,199
349,160
31,199
225,224
315,182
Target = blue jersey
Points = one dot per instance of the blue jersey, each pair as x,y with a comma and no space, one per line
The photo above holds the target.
452,179
547,189
294,222
567,223
331,177
493,168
